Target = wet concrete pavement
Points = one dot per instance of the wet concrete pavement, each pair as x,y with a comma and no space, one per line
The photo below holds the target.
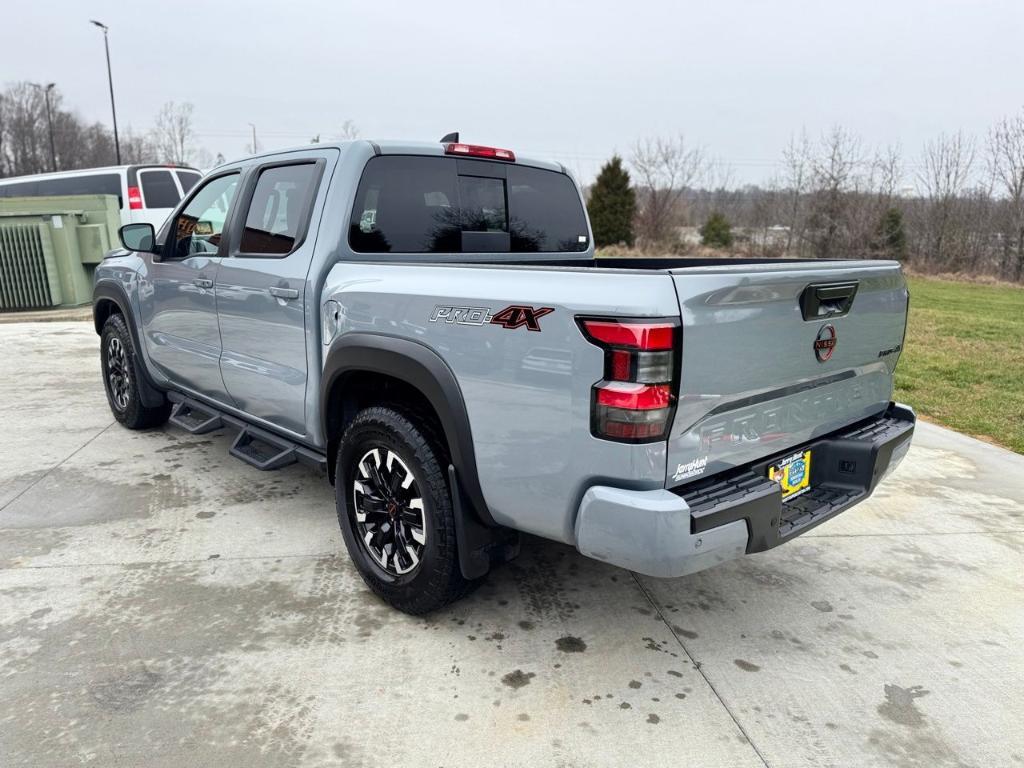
162,604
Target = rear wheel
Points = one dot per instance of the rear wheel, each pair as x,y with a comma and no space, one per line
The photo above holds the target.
395,511
117,359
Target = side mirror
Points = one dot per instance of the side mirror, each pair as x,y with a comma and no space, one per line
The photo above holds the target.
138,237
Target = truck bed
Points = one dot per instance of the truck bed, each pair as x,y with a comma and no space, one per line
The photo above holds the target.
750,383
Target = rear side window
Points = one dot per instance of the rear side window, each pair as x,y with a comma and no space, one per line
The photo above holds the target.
159,189
98,184
278,209
443,205
187,180
21,189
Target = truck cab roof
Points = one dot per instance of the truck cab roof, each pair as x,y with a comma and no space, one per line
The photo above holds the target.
401,147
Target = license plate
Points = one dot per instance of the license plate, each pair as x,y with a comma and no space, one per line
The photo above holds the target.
793,474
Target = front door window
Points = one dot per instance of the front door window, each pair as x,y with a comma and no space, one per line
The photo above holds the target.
200,226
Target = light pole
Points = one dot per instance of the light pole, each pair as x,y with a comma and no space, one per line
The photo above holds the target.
49,118
110,80
253,126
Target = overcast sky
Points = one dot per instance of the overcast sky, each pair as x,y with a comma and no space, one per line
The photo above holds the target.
571,81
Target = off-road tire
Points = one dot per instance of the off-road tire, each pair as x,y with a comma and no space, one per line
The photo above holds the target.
125,403
437,579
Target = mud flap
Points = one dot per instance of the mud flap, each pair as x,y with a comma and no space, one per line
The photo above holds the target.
480,547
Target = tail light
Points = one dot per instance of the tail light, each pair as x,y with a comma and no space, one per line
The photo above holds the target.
134,199
475,150
634,402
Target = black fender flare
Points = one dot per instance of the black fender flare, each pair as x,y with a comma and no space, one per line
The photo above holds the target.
152,395
421,367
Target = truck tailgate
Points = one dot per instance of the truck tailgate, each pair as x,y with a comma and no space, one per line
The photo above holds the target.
770,361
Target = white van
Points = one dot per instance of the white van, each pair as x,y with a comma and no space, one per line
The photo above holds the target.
147,193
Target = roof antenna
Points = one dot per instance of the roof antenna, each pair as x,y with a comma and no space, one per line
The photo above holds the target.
448,138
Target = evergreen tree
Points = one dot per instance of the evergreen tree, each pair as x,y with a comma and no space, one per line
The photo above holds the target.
716,232
890,236
612,205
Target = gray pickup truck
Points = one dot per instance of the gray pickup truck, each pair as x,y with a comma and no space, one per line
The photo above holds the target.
428,325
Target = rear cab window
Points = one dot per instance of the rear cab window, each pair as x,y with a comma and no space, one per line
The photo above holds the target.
414,204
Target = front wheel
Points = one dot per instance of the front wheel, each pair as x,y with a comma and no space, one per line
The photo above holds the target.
117,360
395,511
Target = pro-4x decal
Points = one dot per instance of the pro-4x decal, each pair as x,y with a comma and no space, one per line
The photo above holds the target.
460,315
518,315
512,317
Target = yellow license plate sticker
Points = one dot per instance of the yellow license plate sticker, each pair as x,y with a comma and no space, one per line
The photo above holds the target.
793,474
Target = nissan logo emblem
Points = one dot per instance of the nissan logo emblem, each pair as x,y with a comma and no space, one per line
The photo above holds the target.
825,343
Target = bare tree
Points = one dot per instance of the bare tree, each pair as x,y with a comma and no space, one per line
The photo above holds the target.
1006,166
349,131
24,142
796,158
872,205
665,168
720,179
24,127
888,170
945,172
833,170
203,159
766,208
173,135
719,175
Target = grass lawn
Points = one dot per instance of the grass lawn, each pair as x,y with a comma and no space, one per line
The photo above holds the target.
963,364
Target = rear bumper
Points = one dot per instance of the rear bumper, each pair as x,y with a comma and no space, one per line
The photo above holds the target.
675,532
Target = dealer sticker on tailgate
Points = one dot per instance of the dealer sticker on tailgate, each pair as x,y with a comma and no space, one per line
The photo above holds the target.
793,473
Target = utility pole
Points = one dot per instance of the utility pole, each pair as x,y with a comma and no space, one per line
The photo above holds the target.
254,150
49,119
110,80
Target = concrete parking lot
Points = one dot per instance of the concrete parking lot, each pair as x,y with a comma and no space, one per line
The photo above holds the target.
162,604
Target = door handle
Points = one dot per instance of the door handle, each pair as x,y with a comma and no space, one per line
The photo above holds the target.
202,282
283,293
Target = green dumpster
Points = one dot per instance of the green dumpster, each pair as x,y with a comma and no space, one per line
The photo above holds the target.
49,247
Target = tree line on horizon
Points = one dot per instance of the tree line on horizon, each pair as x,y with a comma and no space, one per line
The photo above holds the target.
26,149
958,208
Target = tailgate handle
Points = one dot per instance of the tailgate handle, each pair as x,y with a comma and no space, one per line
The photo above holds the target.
823,300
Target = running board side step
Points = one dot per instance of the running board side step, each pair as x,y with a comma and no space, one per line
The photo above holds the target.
258,447
194,418
263,450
